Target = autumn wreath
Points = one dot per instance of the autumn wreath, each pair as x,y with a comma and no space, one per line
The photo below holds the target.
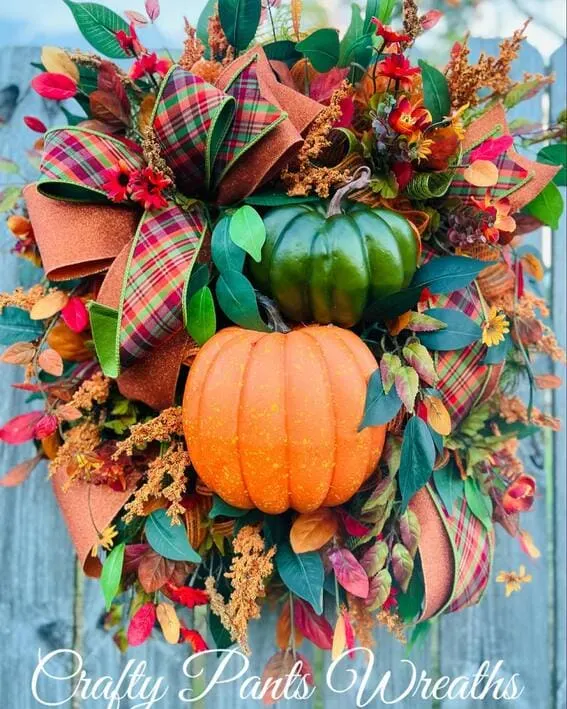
282,312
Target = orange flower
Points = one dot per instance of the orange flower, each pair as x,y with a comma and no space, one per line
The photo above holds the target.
519,497
499,209
513,581
388,34
409,119
397,67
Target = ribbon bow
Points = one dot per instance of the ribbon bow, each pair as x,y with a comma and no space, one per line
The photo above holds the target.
221,143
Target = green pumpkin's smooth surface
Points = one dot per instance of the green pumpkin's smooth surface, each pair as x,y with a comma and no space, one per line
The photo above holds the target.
327,270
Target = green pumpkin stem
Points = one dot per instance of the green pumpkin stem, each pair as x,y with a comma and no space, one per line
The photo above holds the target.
360,180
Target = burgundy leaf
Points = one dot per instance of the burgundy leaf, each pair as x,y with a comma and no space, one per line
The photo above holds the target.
349,572
312,626
35,124
352,526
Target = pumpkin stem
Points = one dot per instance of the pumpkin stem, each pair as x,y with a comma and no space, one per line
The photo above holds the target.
275,319
360,180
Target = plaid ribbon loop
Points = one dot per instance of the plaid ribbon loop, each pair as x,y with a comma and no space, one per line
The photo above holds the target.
202,131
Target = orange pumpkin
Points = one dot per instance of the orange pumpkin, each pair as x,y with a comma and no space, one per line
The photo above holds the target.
271,420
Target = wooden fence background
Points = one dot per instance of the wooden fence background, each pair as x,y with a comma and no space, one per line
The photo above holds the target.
46,604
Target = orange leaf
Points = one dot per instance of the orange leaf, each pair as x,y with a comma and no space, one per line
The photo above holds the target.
50,361
481,173
533,266
339,638
283,629
145,114
19,226
68,412
169,622
276,672
58,61
548,381
398,324
312,530
19,353
437,415
49,305
19,473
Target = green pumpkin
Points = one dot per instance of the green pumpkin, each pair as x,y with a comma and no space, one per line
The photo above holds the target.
328,268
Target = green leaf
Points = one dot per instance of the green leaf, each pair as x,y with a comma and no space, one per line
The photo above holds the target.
221,508
435,92
555,155
386,10
390,365
112,573
354,32
460,332
219,633
479,503
226,255
99,25
248,231
8,167
237,299
277,199
16,326
199,278
240,20
201,316
9,198
498,353
446,274
282,50
419,635
449,486
410,604
402,566
303,574
407,386
169,540
322,48
547,206
380,408
393,305
417,461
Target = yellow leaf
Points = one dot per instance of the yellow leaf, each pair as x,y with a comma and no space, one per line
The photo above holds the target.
437,415
481,173
56,60
50,361
18,353
49,305
339,638
145,114
296,8
169,622
533,266
312,530
399,323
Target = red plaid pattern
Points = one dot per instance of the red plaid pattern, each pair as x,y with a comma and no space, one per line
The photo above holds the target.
161,260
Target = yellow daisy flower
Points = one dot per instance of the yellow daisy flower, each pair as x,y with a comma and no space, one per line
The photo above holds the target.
423,148
105,540
494,328
513,581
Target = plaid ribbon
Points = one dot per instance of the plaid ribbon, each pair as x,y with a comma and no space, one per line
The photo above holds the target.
201,131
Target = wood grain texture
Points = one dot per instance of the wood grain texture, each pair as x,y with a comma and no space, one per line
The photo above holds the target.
39,606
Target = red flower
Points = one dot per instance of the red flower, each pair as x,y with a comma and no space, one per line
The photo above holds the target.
187,596
116,181
391,601
403,172
149,64
519,497
146,187
46,425
409,119
388,34
397,67
194,638
129,42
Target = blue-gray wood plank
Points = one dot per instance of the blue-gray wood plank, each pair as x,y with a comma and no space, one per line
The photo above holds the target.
45,604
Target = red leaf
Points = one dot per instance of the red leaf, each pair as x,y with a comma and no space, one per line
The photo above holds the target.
21,428
347,113
195,639
133,555
430,19
187,596
19,472
349,572
108,81
324,85
312,626
352,526
46,425
35,124
75,315
152,9
349,633
141,625
56,87
520,278
492,148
